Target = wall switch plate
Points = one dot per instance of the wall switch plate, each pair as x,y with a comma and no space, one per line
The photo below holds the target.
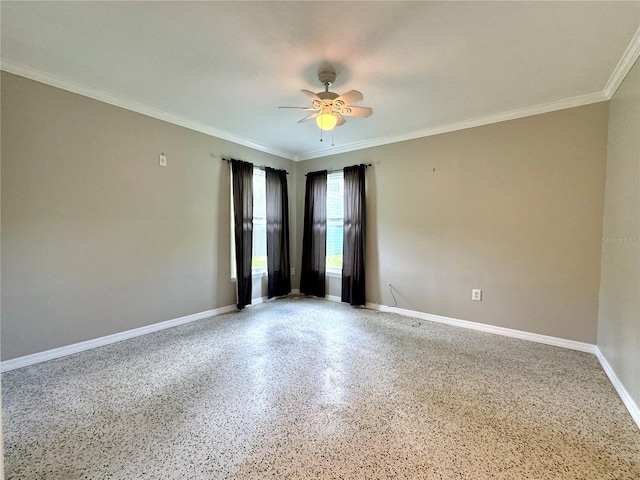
293,271
476,295
162,160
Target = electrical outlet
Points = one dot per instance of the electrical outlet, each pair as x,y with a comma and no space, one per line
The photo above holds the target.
476,295
162,160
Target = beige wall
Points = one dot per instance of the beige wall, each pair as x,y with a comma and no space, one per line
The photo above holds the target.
96,237
514,209
619,318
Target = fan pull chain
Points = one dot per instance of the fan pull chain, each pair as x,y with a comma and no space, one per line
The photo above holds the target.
332,144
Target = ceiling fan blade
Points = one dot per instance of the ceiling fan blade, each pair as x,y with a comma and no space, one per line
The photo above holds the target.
301,108
309,117
352,96
356,111
311,95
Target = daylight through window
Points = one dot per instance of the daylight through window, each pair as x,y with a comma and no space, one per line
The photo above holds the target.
259,256
335,220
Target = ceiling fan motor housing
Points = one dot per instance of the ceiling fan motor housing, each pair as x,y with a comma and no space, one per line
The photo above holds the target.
327,77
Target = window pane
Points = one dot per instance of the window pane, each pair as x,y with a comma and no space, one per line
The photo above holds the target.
259,257
334,245
335,219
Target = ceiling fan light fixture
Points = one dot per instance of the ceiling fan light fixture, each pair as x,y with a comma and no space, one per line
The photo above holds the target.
331,108
326,121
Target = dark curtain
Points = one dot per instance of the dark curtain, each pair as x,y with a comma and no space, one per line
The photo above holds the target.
353,260
314,236
243,225
279,272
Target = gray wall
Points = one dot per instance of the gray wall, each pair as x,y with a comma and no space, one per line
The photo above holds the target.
619,318
514,209
96,237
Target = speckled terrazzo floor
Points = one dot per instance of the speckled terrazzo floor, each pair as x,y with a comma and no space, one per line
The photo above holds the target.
309,389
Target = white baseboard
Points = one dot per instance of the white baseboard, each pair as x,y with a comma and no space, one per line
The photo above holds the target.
108,339
507,332
256,301
629,403
265,298
633,408
331,298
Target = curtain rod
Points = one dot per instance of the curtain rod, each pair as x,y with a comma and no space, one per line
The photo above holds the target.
228,160
340,169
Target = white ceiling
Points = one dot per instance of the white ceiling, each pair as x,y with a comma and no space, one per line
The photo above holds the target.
424,67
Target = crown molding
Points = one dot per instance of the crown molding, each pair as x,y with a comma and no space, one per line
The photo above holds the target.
96,94
462,125
629,57
625,64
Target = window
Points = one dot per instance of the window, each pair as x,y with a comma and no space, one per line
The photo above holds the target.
259,256
335,221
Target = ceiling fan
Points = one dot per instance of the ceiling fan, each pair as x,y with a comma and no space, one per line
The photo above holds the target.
330,108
